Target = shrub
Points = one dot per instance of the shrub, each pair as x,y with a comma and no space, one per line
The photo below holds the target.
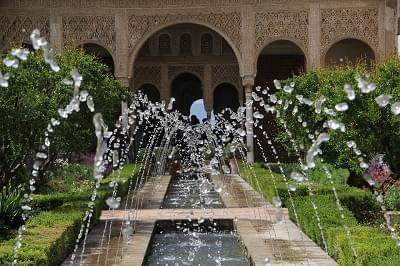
33,97
69,178
10,209
368,242
374,129
392,198
328,212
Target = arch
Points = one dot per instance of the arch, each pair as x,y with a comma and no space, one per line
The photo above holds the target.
164,44
277,41
152,92
101,53
185,44
349,51
186,88
225,96
279,60
134,52
206,43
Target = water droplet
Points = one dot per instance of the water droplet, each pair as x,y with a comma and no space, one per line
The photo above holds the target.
113,203
4,80
341,107
383,100
395,108
297,176
90,103
351,95
11,62
277,84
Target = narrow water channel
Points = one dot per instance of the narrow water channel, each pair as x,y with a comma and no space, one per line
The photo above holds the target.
196,242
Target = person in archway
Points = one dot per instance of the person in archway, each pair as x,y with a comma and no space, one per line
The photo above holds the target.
194,120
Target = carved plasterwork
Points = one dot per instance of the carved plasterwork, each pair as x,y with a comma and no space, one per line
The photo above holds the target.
147,74
173,71
224,73
227,23
359,23
282,24
14,30
101,29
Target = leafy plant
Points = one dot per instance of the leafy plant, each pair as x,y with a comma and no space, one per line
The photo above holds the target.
392,198
33,97
10,209
374,129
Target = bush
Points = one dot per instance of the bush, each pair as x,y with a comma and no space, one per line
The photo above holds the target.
374,129
328,213
392,198
68,178
33,97
369,244
11,201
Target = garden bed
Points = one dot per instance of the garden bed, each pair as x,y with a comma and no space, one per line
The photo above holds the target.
50,235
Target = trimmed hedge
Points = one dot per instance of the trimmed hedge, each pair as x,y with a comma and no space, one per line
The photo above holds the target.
372,245
328,213
50,235
369,243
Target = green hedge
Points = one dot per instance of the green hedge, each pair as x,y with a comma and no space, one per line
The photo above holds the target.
328,213
372,245
50,235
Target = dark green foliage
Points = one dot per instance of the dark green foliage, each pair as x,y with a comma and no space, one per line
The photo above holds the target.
374,129
33,97
69,178
11,201
392,198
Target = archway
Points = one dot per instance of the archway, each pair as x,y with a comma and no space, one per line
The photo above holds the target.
183,48
278,60
151,92
186,88
225,96
101,54
349,52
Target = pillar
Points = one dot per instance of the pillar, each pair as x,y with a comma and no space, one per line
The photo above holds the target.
165,90
56,31
122,51
248,83
208,95
314,35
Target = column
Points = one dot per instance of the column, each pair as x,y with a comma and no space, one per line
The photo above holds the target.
248,83
314,37
165,90
122,51
208,91
56,31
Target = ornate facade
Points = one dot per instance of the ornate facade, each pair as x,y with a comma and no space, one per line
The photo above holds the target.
239,32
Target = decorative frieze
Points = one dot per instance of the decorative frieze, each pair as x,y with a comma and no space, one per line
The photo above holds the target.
100,29
15,30
225,73
340,23
282,24
147,74
226,23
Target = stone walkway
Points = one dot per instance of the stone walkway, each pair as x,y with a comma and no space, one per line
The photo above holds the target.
112,249
193,214
283,243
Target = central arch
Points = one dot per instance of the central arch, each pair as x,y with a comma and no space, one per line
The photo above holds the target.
142,41
186,88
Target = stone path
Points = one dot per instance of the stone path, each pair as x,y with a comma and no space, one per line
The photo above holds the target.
283,243
113,249
193,214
